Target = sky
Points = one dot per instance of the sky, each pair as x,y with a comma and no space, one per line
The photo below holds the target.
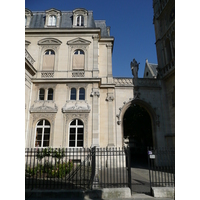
131,23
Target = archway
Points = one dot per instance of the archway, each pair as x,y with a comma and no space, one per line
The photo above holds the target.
137,128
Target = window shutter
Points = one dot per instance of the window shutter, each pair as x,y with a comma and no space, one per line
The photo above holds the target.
78,61
48,62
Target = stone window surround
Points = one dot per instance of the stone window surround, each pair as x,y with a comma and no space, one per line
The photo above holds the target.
77,87
46,87
48,44
28,15
52,12
78,12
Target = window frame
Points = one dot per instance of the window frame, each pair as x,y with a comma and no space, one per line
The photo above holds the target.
76,126
39,96
52,20
43,127
50,94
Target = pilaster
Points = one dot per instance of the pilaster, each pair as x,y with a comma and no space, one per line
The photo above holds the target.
95,117
109,63
95,55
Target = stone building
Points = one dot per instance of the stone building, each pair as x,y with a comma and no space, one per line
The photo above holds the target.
72,98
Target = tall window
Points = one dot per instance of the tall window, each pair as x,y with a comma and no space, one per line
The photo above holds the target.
78,60
82,94
76,130
41,94
48,60
73,94
80,20
42,133
52,20
50,94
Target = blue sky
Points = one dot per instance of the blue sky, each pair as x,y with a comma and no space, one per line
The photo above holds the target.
131,23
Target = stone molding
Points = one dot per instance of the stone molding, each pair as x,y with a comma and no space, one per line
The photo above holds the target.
95,92
110,97
123,81
43,107
49,41
29,57
79,41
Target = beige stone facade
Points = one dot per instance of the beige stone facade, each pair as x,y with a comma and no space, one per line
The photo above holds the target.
72,99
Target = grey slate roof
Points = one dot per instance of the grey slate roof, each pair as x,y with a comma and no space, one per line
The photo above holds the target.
153,68
38,21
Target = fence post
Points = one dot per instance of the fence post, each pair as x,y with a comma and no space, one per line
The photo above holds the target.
129,168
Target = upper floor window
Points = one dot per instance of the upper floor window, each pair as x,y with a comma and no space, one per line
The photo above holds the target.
41,94
48,60
78,60
80,20
73,94
42,133
52,20
50,94
82,94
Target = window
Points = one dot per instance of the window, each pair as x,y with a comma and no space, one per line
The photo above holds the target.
50,94
76,130
80,20
42,133
52,20
41,94
48,60
82,94
73,94
78,60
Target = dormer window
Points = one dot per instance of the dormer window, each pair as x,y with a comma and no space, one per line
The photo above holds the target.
80,17
80,20
52,20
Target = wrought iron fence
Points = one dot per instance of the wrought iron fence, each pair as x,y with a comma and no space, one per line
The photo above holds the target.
161,164
76,168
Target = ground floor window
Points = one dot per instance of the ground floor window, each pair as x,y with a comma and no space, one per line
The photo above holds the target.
76,130
42,133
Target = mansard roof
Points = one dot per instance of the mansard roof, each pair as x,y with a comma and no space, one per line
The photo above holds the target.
38,20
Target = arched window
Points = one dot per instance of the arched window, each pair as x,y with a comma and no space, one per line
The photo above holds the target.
50,94
42,133
48,60
78,60
80,20
41,94
82,94
73,94
76,131
52,20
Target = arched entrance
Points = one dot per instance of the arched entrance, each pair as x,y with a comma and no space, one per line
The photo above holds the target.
137,129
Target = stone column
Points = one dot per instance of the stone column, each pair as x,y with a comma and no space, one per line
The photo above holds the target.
109,63
109,99
95,117
95,55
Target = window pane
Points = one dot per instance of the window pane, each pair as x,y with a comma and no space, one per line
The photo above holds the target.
72,143
72,130
46,137
81,52
39,137
41,95
45,143
79,143
50,94
47,131
80,122
39,131
40,122
73,122
80,137
80,130
72,137
47,122
82,94
73,94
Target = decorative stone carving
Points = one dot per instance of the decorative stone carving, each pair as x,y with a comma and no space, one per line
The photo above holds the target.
123,81
47,74
76,106
95,92
78,74
49,41
44,107
28,57
110,97
78,41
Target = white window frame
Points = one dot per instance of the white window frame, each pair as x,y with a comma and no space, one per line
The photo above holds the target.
43,126
76,126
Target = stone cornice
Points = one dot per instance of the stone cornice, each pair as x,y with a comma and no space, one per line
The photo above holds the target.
66,80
